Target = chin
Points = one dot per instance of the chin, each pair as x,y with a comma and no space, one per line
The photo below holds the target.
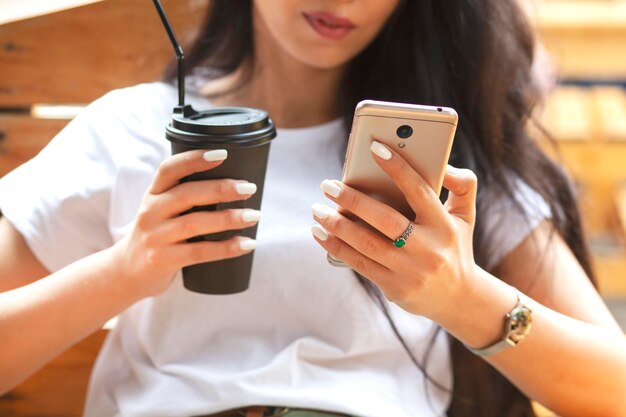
326,64
325,59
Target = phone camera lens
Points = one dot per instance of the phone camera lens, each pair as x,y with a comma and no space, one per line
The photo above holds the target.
404,131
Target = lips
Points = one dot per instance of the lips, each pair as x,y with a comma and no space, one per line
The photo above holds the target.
328,25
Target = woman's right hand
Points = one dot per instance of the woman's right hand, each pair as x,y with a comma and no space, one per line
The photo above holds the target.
149,256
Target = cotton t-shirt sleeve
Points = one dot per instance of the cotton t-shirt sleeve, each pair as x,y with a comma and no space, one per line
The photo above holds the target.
508,222
59,200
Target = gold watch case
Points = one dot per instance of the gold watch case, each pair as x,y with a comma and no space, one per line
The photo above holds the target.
519,322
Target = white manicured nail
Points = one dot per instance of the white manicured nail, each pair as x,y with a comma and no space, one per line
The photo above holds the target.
245,188
320,211
331,188
216,155
319,232
247,244
250,215
380,150
452,170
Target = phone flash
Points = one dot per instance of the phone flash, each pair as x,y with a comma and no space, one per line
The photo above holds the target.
401,145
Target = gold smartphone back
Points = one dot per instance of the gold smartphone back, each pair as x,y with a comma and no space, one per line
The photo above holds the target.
426,149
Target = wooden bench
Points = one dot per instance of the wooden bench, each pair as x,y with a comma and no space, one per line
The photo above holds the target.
591,144
76,56
586,37
60,388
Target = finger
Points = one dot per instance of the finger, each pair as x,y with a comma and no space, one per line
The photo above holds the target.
199,223
350,256
178,166
380,216
419,194
366,242
200,252
200,193
463,186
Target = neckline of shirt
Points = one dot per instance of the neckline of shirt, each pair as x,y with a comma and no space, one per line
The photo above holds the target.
307,131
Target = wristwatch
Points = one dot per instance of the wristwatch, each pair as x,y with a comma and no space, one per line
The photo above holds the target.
517,325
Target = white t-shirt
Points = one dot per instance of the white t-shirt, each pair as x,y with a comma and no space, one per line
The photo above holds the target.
305,334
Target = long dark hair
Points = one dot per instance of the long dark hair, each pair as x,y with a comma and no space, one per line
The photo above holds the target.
474,56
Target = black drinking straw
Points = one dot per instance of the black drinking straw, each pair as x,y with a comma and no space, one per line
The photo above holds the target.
178,50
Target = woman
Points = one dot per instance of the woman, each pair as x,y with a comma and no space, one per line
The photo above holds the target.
307,335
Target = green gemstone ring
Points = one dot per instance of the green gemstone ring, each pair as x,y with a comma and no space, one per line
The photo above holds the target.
401,241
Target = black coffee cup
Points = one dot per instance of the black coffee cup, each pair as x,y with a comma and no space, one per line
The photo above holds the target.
246,134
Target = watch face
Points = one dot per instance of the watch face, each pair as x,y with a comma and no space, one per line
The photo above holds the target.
520,323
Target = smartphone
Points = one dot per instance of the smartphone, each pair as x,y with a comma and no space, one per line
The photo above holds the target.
423,135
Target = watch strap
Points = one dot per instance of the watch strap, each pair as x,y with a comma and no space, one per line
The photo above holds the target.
492,349
507,341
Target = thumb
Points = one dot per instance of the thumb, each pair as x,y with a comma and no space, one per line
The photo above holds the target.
462,184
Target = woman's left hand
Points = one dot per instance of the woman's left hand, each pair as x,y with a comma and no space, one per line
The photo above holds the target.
430,272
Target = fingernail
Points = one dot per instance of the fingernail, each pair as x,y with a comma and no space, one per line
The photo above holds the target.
452,170
250,215
319,232
331,188
320,211
215,155
380,150
247,244
246,188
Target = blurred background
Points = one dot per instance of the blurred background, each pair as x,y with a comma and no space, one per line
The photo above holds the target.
56,56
